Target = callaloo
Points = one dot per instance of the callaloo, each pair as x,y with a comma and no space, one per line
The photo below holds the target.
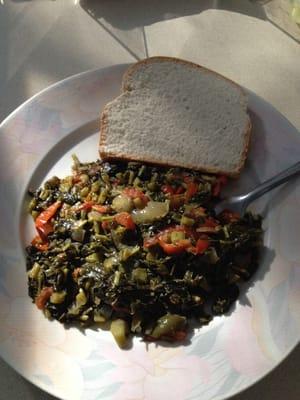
137,246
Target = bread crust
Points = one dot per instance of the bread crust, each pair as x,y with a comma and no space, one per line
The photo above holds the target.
106,155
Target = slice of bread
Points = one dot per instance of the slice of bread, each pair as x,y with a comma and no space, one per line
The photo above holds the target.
173,112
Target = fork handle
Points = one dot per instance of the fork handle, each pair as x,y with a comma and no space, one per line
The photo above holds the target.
272,183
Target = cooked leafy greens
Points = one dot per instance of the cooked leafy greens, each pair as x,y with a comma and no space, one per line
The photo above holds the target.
138,246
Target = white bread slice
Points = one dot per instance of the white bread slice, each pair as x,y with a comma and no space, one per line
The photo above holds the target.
173,112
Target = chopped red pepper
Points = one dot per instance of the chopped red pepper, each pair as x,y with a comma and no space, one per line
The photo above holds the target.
76,272
44,230
43,221
228,216
201,246
179,190
76,179
87,205
192,189
101,209
178,336
121,309
170,248
168,189
106,225
187,178
116,182
134,193
151,241
218,185
162,239
176,201
39,244
210,222
43,297
125,219
198,212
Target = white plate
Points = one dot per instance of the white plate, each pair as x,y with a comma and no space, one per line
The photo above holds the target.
223,358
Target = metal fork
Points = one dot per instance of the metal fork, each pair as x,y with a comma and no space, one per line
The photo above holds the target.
240,203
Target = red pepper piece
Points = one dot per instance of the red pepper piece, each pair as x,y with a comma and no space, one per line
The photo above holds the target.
177,248
192,189
168,189
39,244
43,221
43,297
86,206
101,209
201,246
134,193
218,185
125,219
228,216
210,222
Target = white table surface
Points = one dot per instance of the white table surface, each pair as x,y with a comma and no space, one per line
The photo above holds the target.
44,41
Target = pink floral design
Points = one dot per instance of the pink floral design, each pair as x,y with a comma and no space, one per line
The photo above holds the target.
149,375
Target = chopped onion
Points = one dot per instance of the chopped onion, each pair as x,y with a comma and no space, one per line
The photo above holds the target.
122,203
153,211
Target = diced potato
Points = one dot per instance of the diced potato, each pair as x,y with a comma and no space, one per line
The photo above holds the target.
81,298
119,330
33,273
58,297
167,325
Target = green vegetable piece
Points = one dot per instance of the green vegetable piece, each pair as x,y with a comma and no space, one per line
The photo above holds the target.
58,297
176,236
84,191
140,275
78,234
136,182
81,298
33,273
93,258
66,184
34,214
84,178
95,187
76,162
102,196
187,221
128,252
213,256
52,183
96,227
136,323
117,278
152,186
44,194
119,330
32,204
99,318
95,216
105,178
131,177
138,202
109,263
168,325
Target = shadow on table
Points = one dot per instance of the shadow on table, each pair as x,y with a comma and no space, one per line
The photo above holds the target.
118,17
135,13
